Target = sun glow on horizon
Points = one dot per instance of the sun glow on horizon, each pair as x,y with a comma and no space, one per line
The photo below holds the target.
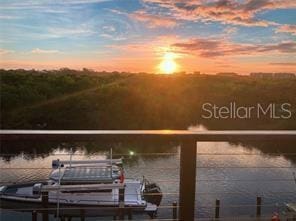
168,64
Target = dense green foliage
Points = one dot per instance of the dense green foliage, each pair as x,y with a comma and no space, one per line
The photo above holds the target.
67,99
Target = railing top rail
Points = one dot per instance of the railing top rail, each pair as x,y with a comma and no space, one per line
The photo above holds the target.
121,135
154,132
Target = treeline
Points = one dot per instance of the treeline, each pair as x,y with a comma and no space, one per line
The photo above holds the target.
68,99
20,88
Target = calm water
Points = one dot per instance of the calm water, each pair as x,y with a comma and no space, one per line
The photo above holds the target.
232,173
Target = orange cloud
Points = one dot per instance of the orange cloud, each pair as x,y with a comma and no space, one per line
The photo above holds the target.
158,45
288,29
154,21
283,63
225,11
222,47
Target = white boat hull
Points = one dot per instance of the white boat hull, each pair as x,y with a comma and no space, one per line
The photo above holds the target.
132,197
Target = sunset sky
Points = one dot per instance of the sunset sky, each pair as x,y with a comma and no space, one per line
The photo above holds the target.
136,35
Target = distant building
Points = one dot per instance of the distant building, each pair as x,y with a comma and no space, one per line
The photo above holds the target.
227,74
284,75
261,75
180,72
272,75
195,72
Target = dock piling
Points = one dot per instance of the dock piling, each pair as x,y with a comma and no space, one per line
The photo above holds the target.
258,206
121,194
129,213
121,210
82,215
175,210
121,203
34,215
217,210
45,206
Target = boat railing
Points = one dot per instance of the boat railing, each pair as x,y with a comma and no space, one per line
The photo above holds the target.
85,187
65,162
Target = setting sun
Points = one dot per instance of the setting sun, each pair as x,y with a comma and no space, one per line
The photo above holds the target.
168,65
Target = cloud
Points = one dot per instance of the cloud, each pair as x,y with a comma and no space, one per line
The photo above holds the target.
283,63
33,4
8,17
287,29
42,51
5,51
118,12
225,11
154,21
112,37
222,47
230,30
159,44
33,51
61,32
114,33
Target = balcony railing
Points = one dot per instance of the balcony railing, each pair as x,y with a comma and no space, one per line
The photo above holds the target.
187,139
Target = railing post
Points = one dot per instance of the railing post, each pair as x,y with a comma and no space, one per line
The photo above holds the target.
187,180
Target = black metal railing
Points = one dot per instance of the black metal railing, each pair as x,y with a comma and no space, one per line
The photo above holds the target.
188,140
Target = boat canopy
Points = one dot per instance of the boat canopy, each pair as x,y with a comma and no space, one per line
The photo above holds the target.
86,171
76,174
